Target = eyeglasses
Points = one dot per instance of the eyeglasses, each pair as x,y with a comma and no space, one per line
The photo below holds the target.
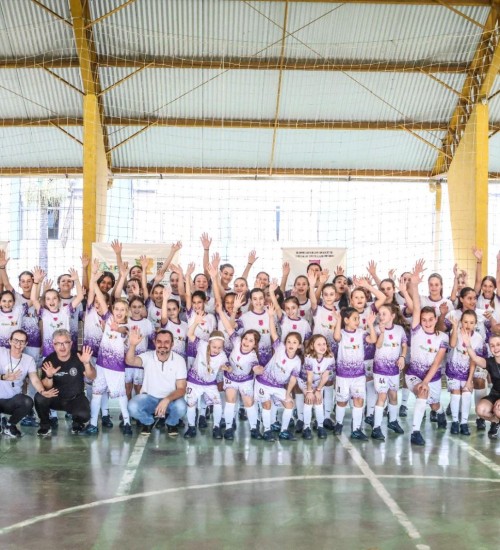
59,344
18,342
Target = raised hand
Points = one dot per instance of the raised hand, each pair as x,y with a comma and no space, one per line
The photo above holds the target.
134,336
372,268
73,274
252,257
144,261
190,269
176,246
323,276
85,355
116,246
49,369
85,260
478,253
206,241
38,275
3,259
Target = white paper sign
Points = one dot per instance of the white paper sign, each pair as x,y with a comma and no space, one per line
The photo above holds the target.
300,258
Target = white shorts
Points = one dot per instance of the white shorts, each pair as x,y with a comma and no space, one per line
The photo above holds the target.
134,376
109,381
413,381
383,383
369,368
244,388
209,393
350,387
454,384
264,393
480,373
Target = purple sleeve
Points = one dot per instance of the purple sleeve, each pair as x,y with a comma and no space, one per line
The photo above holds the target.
307,365
192,347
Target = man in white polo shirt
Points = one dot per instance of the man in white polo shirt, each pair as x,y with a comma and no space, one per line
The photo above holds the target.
164,384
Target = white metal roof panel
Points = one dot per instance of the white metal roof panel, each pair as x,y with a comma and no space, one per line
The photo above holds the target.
494,157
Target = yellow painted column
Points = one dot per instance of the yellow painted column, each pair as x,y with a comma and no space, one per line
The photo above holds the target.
468,191
95,175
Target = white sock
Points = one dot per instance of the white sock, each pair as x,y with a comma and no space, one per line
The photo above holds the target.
274,412
393,412
229,414
357,417
320,415
223,402
405,395
465,409
191,416
378,415
455,406
307,415
266,419
252,416
339,414
95,406
123,401
218,414
287,416
418,414
328,393
299,404
105,405
371,397
202,406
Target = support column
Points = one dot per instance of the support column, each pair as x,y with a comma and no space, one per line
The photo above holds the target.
468,191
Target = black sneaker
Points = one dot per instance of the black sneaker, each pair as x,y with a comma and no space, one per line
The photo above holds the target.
448,410
90,430
493,431
202,422
480,424
222,424
441,421
11,431
44,432
190,432
369,420
54,422
76,428
403,411
30,421
395,427
306,434
377,434
299,426
106,421
287,435
455,428
268,436
216,433
434,416
322,433
229,434
337,430
127,429
359,435
464,429
329,424
417,439
255,434
146,430
242,414
291,425
276,426
172,431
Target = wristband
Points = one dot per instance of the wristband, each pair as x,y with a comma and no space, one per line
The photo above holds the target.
401,356
2,377
49,377
309,391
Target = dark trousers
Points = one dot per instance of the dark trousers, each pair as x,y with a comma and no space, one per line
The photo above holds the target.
78,407
18,407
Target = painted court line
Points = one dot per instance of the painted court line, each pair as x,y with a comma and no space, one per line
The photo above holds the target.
478,456
383,493
132,465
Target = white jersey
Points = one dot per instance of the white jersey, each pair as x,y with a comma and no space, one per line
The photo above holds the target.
426,301
484,304
179,330
9,322
241,363
260,323
386,357
482,325
52,322
147,330
294,325
317,367
93,328
351,354
205,368
424,348
29,322
458,360
154,313
280,368
8,364
205,328
324,324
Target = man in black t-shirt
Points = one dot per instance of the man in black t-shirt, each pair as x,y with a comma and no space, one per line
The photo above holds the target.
64,372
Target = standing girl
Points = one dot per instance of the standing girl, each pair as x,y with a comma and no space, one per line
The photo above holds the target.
257,319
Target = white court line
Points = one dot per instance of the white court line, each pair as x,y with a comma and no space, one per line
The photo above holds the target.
383,493
478,456
126,498
132,465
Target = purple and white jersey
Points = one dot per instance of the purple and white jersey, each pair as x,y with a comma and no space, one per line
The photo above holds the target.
324,324
387,356
204,372
424,348
242,363
294,325
317,367
29,322
280,368
260,323
363,324
146,329
426,301
179,330
154,313
9,322
74,317
204,329
482,325
93,328
112,349
458,360
52,322
305,308
351,355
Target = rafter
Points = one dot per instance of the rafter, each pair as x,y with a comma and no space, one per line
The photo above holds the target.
484,3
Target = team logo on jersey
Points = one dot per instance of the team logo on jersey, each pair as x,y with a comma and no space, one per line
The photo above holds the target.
261,322
351,340
283,361
294,327
302,313
73,371
429,341
330,317
391,337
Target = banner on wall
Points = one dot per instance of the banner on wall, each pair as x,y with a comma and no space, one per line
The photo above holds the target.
131,253
300,258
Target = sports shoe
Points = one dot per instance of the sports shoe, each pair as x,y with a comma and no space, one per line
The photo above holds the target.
222,423
106,421
480,424
403,411
54,422
306,434
434,416
76,428
369,420
90,430
395,427
377,434
202,422
291,424
3,422
417,439
255,434
172,431
448,410
464,429
242,414
127,429
329,424
287,435
190,432
314,425
441,421
299,426
30,421
44,432
11,431
493,431
146,430
337,429
276,426
216,432
268,436
359,435
229,434
322,433
455,428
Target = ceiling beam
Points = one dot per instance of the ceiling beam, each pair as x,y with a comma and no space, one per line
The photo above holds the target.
484,3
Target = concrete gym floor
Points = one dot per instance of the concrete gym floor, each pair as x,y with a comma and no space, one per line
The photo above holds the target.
157,492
